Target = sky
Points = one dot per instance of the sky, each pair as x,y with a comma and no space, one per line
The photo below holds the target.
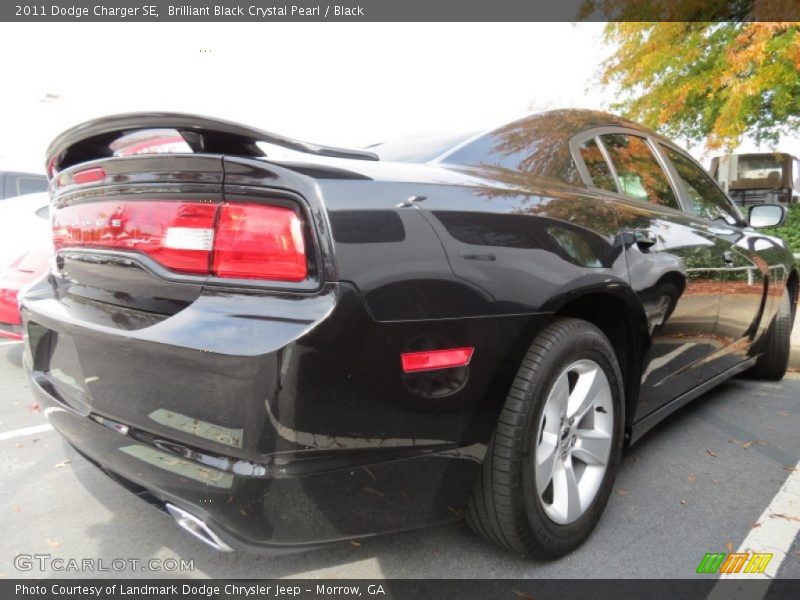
344,84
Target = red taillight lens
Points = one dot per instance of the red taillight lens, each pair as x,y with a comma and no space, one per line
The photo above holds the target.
259,242
243,241
433,360
178,235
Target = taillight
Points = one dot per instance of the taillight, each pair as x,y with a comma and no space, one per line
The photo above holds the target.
243,241
254,241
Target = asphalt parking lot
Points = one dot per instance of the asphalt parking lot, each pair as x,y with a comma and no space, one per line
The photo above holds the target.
697,483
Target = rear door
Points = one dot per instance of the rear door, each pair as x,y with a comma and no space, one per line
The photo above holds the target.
675,261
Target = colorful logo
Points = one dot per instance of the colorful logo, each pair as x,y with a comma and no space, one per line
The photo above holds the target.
735,562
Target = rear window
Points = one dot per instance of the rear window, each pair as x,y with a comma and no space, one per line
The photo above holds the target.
535,146
759,167
420,149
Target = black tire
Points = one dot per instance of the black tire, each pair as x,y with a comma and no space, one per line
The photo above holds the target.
504,507
774,360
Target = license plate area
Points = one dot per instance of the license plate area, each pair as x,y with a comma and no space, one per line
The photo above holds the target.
56,363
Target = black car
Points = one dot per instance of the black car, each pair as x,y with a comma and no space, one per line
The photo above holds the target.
285,344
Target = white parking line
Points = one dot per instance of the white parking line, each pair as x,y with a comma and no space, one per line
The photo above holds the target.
10,435
774,533
777,526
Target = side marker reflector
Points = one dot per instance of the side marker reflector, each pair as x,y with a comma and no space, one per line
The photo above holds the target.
432,360
89,175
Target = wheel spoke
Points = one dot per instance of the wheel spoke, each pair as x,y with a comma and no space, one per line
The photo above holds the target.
591,446
559,398
591,384
566,496
546,457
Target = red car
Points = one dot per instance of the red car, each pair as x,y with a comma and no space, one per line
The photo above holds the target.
13,281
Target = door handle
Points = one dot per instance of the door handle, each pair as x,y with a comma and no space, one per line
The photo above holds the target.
729,258
644,238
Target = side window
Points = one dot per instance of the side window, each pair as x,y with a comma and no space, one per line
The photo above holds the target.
30,185
640,176
597,166
706,199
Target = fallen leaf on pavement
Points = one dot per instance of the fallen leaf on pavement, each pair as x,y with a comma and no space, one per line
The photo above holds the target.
711,453
522,595
355,543
783,413
755,525
53,543
34,407
746,445
729,547
623,492
16,508
692,478
783,516
683,500
791,469
63,463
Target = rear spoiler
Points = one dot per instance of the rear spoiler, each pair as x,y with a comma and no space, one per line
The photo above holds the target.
91,140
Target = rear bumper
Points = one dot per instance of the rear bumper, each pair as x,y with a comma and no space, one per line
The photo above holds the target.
263,513
275,432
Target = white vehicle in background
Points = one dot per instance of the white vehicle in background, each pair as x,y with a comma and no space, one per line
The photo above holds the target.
24,224
25,251
17,183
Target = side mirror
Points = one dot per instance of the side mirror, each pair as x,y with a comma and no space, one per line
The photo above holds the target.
766,215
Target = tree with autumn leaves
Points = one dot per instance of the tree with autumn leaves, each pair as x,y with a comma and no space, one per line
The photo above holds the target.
709,82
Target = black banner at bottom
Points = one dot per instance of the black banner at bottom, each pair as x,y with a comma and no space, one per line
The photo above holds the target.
402,589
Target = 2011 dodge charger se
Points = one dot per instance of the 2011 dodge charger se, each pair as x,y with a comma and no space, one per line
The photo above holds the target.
285,344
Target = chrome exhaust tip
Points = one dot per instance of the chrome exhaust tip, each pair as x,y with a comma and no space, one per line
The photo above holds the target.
197,528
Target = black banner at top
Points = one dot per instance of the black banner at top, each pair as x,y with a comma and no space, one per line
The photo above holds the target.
399,10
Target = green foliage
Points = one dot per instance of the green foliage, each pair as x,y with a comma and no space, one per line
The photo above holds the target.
711,82
790,230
